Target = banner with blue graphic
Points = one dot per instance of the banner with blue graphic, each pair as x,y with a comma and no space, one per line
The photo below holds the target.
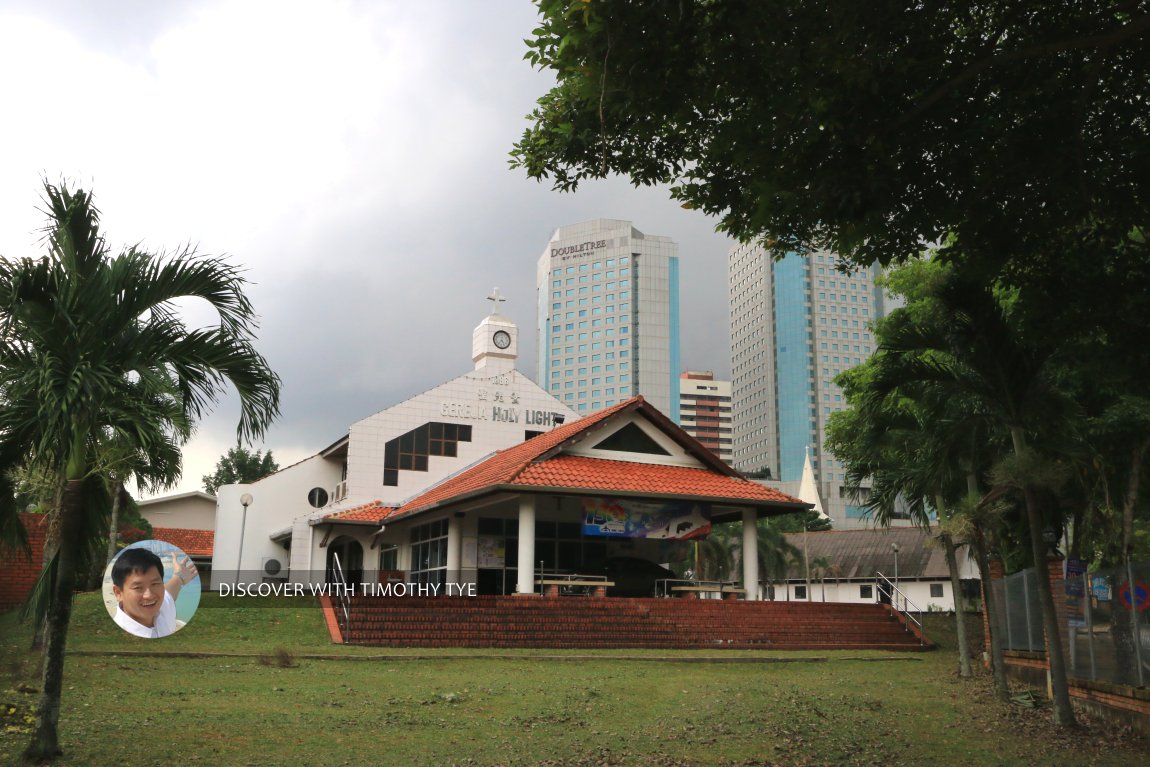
677,520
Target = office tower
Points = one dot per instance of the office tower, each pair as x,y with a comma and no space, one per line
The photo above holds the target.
608,316
705,411
795,325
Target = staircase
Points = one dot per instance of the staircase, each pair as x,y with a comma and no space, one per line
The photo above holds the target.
588,623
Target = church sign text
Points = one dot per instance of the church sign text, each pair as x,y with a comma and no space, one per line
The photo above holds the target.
465,410
499,407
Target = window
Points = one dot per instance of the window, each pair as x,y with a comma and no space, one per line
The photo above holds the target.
410,451
429,552
936,591
389,557
800,592
866,592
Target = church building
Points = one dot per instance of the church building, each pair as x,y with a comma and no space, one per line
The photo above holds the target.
489,480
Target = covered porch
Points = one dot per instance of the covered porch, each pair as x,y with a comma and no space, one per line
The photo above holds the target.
544,543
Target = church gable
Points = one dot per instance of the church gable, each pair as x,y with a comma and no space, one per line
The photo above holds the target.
631,439
634,438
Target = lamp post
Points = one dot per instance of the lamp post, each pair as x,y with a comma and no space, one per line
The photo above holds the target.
807,559
245,501
895,548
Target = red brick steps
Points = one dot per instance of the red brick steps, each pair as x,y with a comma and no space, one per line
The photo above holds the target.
587,623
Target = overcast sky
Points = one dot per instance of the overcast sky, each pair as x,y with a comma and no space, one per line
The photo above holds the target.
351,156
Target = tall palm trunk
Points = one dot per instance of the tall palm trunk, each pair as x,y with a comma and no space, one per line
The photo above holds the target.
114,525
955,591
45,743
51,545
959,614
981,547
997,657
1063,713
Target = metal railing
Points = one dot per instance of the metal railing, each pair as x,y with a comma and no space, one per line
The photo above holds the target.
556,574
343,616
664,586
907,605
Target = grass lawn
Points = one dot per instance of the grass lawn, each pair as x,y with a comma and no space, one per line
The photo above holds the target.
850,709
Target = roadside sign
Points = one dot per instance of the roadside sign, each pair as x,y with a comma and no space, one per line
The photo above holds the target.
1137,598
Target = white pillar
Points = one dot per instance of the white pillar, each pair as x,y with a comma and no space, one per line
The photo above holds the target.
526,544
750,555
454,548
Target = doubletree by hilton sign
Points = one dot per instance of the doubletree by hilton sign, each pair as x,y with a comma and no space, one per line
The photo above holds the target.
582,248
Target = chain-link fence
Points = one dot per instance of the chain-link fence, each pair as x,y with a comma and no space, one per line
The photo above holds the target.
1107,626
1019,619
1108,613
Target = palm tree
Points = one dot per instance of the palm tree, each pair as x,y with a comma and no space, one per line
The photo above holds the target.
154,470
970,347
902,441
712,558
775,551
1011,375
916,436
92,349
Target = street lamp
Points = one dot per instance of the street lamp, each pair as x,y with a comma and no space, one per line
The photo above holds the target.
895,548
245,501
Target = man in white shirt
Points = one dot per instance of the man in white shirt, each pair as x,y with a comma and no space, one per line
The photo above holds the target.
146,606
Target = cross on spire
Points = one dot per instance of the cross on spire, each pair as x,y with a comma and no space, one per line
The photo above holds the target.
496,299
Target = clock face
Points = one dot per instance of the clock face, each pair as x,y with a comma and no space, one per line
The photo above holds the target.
502,339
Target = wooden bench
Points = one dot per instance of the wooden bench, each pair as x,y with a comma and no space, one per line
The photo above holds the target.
553,587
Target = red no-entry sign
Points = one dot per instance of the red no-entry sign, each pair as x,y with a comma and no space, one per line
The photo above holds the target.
1137,598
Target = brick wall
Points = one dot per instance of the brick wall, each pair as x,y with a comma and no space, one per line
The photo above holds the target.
18,572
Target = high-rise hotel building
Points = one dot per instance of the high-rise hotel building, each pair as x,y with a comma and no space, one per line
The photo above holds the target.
608,316
705,410
795,325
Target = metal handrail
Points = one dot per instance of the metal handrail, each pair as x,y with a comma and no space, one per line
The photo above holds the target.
344,600
895,593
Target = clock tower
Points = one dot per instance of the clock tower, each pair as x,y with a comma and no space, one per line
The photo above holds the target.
495,341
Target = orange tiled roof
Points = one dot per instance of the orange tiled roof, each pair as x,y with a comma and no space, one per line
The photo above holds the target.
576,471
374,511
194,543
528,464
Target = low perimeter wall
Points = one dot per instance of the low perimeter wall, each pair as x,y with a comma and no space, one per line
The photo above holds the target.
1115,702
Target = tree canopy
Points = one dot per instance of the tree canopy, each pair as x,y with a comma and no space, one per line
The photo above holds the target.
240,466
863,128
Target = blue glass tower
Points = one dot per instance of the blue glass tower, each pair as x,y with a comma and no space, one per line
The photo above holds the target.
796,324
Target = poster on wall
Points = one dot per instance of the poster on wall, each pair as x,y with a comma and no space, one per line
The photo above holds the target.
492,551
676,520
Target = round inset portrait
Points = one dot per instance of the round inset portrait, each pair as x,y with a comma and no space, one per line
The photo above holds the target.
151,589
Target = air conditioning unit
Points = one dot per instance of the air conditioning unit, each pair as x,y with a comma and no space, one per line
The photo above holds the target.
340,492
273,570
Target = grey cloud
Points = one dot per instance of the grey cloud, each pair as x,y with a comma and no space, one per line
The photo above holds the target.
368,292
